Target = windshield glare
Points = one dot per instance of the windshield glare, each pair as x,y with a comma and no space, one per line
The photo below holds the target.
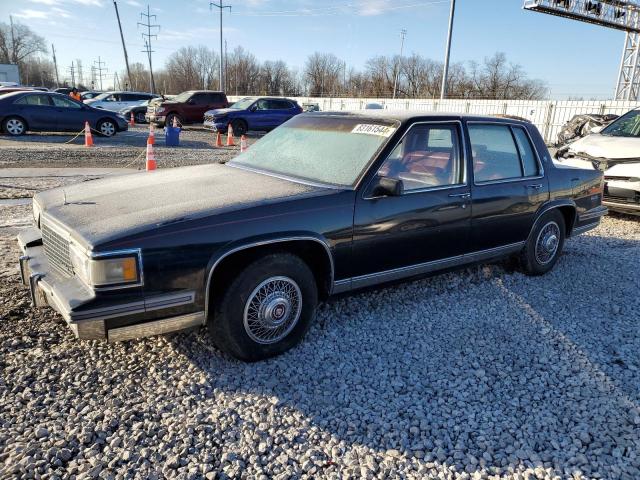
182,97
627,125
328,150
243,103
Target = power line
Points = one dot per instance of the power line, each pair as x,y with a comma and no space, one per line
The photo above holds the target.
220,7
98,70
147,42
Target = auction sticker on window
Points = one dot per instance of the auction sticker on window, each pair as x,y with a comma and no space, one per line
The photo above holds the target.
373,129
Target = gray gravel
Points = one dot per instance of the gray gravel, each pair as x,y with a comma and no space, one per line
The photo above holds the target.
482,373
124,149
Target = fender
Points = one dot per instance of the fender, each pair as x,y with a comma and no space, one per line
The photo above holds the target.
550,205
236,247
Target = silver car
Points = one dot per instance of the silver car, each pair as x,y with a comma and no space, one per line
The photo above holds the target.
116,101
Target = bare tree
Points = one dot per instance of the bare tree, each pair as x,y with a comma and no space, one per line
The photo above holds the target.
322,73
19,43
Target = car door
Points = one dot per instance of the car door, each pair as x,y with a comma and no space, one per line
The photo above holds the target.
428,224
70,116
283,110
195,107
37,110
261,115
509,185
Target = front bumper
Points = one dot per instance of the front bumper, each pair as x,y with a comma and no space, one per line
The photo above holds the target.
622,195
155,119
91,320
216,126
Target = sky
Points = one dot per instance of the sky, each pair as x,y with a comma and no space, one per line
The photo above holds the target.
575,59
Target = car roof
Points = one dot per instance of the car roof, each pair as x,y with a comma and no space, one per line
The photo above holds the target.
111,92
405,116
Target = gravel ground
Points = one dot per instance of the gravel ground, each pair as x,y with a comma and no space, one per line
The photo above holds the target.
482,373
124,149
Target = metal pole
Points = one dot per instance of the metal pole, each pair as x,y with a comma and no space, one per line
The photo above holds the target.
395,80
220,6
124,48
55,65
445,72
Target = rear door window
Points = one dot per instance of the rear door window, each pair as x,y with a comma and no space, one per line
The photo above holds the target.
279,105
63,102
34,100
495,155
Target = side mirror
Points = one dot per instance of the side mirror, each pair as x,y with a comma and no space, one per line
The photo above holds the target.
191,101
253,108
387,187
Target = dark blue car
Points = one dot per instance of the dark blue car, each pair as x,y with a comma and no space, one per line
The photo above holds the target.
54,112
252,113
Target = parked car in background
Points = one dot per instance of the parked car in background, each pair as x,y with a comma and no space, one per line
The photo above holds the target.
615,149
88,95
324,204
311,107
139,112
116,101
373,106
63,90
5,90
186,107
25,111
252,113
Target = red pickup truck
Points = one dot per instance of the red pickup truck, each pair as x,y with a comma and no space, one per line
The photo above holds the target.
186,107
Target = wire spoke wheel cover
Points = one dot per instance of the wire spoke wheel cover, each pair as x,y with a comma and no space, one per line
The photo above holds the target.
15,126
272,310
547,243
107,129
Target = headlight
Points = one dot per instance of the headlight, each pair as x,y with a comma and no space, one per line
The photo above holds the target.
109,269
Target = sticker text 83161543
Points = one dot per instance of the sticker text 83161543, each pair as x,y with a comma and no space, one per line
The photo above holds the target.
373,129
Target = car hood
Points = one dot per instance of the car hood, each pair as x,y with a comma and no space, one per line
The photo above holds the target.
221,111
112,208
605,146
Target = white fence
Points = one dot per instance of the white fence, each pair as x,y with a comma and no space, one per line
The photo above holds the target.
549,116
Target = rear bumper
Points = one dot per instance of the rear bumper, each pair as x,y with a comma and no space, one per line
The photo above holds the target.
71,298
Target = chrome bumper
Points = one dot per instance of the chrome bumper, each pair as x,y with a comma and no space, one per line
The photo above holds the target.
64,295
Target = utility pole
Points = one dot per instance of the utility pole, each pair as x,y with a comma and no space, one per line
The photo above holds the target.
99,69
403,34
221,7
79,69
12,58
147,43
72,69
226,64
445,72
55,65
124,47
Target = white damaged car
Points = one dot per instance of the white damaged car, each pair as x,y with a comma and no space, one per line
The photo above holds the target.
616,149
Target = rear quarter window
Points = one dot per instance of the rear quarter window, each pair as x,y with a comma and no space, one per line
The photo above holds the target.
495,155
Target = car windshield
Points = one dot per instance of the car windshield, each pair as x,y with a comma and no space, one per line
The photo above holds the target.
332,150
243,103
102,96
182,97
627,125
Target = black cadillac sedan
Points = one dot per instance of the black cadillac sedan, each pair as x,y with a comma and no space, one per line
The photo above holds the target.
326,204
35,111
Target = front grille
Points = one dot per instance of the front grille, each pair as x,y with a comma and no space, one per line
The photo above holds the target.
56,248
209,118
608,177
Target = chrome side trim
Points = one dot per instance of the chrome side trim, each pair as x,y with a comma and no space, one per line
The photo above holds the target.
432,266
585,228
596,212
156,327
109,312
261,243
170,301
341,286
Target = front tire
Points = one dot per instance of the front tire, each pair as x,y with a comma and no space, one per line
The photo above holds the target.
14,126
107,128
266,310
544,246
169,120
239,127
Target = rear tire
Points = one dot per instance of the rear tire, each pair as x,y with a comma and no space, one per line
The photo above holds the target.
239,127
544,246
139,118
266,310
14,126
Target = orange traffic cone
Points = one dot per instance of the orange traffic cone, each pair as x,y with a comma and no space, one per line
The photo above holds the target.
219,140
132,121
175,122
152,135
151,158
230,142
243,143
88,139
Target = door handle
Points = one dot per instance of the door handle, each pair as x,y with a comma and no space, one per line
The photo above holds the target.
460,195
537,186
